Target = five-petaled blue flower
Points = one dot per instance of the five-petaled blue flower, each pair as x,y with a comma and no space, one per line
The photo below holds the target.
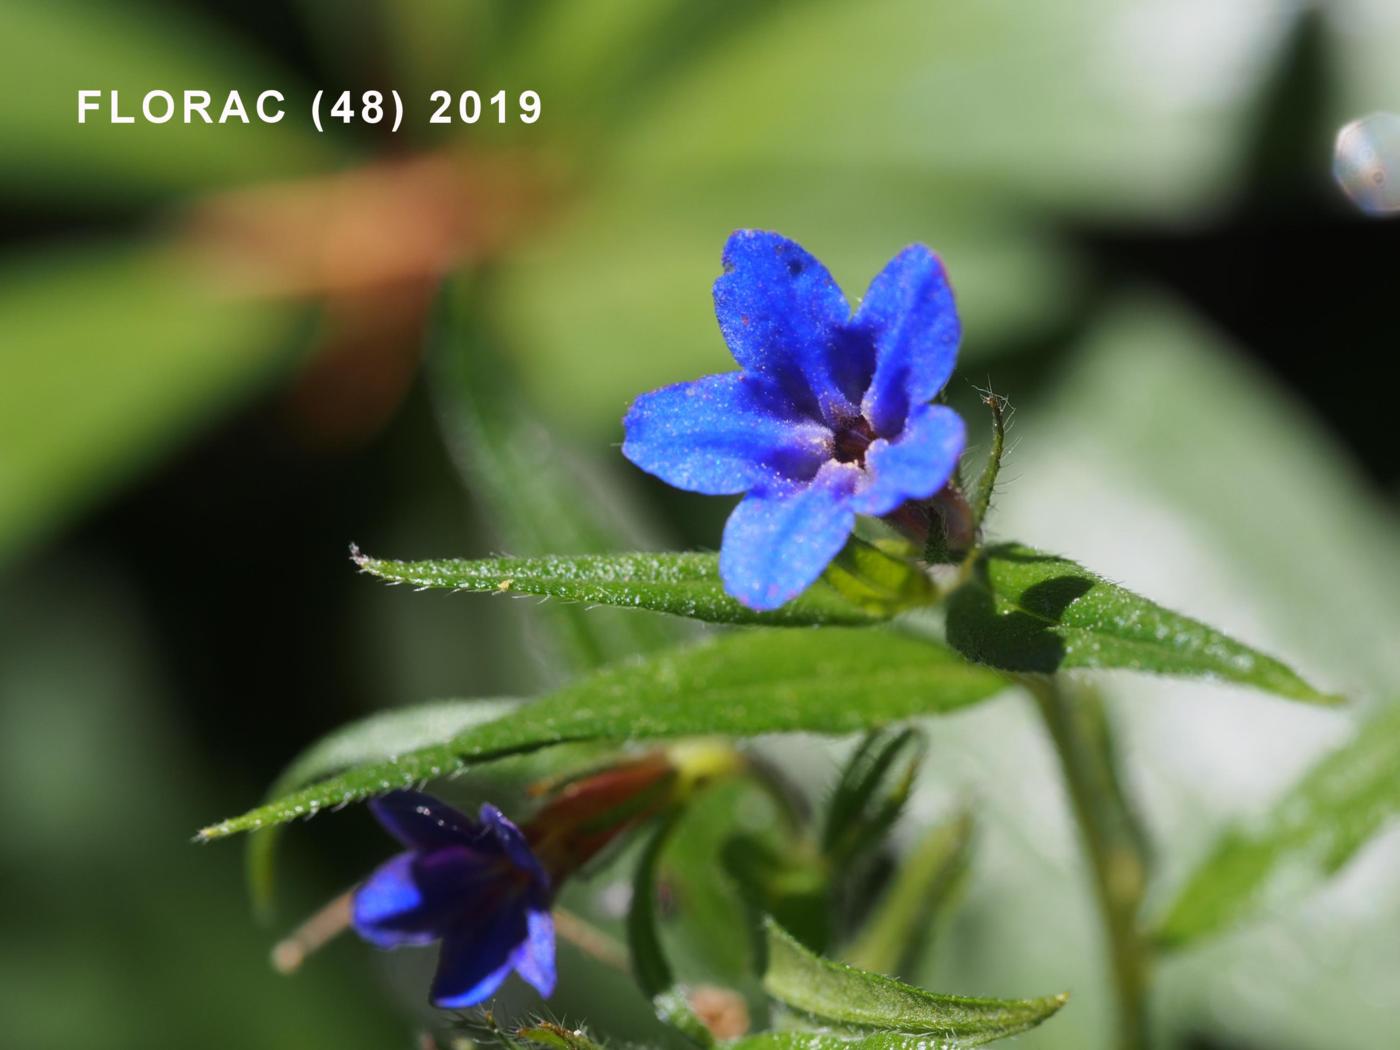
829,417
477,887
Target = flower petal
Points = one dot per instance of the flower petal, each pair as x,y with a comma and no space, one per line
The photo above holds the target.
513,844
413,897
781,314
723,434
909,314
778,541
534,958
420,821
916,464
477,956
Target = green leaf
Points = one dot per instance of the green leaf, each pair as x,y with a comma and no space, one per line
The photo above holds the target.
375,738
798,1040
557,1037
649,965
881,577
113,354
50,50
835,681
832,993
1321,822
536,492
683,584
863,807
1023,610
785,879
922,886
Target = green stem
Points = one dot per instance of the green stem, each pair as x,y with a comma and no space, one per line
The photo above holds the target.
1112,849
987,480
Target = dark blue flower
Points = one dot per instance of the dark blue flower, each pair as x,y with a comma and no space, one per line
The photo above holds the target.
477,887
828,418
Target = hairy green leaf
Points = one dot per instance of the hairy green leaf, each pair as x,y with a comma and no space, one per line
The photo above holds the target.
863,806
799,1040
1312,832
376,738
1023,610
538,494
681,584
838,680
557,1037
835,994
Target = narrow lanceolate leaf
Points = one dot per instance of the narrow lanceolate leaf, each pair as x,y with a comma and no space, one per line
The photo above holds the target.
536,493
834,681
681,584
650,967
833,994
926,881
376,738
869,797
1314,830
1023,610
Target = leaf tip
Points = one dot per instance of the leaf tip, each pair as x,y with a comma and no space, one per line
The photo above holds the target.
359,557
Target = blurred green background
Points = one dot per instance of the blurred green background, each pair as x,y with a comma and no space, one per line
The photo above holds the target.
210,383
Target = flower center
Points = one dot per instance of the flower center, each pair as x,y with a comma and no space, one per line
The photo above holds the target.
852,439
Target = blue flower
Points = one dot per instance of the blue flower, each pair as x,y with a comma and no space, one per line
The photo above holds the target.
829,416
477,887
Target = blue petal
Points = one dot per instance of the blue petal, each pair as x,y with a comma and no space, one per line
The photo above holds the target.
420,821
778,541
909,314
514,845
413,897
534,959
477,956
781,315
723,434
916,464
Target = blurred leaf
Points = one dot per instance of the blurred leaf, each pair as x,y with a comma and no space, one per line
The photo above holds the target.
923,885
538,495
1323,820
649,965
632,266
683,584
1163,144
709,907
784,879
1023,610
867,140
833,993
111,356
49,49
863,806
834,681
378,737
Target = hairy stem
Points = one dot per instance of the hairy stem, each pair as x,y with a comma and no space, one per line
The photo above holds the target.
1112,847
987,480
